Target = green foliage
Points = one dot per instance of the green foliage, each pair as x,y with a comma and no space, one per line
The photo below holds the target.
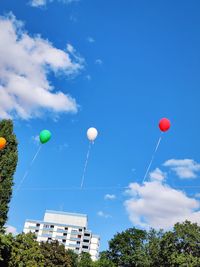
127,249
181,247
56,255
26,252
8,163
73,258
103,261
6,242
131,248
153,247
85,260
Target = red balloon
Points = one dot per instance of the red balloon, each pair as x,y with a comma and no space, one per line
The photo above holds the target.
164,124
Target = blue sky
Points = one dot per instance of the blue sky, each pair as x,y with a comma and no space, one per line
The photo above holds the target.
119,66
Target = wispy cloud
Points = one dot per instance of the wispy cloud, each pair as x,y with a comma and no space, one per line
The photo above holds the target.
158,205
63,147
109,197
184,168
157,175
40,3
37,3
26,61
36,139
104,215
90,39
98,61
88,77
11,229
73,18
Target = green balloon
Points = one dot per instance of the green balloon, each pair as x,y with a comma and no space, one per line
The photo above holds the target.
45,136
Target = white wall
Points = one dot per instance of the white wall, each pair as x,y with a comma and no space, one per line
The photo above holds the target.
67,219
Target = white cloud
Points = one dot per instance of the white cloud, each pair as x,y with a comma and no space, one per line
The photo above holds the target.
36,3
36,139
158,205
73,18
98,61
157,174
109,197
63,147
102,214
25,63
90,39
39,3
11,229
184,168
88,77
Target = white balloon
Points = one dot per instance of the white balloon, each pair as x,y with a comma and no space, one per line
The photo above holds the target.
92,133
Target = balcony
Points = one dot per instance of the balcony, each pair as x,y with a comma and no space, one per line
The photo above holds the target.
45,235
33,227
85,244
61,237
74,231
61,231
85,249
75,238
72,245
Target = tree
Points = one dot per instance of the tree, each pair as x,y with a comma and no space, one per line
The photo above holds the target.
85,260
103,261
73,257
8,163
26,252
181,247
6,242
55,254
127,249
153,247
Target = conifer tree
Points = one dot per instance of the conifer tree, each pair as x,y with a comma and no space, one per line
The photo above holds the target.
8,163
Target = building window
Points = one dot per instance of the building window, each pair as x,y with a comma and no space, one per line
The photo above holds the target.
80,230
85,240
49,238
52,226
37,225
79,236
63,240
64,234
66,228
77,248
78,242
46,226
86,247
86,234
36,231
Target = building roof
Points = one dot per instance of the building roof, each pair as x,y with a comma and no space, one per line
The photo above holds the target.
66,213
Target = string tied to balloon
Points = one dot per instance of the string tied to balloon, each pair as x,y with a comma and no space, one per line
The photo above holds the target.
164,125
91,135
44,137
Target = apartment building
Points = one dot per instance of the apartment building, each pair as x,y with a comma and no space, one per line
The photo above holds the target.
70,229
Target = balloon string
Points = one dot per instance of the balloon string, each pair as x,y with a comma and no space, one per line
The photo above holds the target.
86,163
27,172
152,158
90,188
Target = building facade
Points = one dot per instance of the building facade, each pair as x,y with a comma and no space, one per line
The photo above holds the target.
70,229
